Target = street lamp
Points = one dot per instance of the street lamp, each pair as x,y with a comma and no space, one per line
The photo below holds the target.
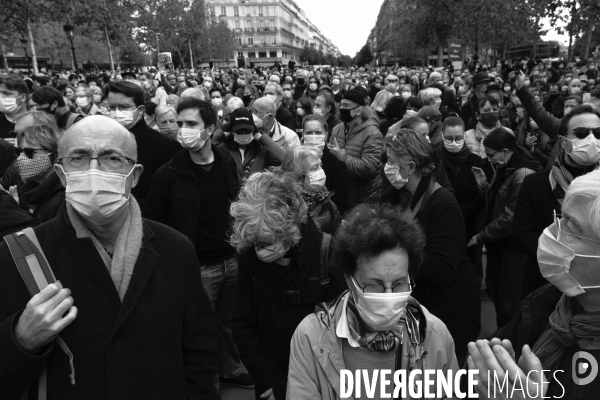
126,58
24,43
69,30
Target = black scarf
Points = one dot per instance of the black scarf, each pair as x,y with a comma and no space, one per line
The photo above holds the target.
313,199
455,160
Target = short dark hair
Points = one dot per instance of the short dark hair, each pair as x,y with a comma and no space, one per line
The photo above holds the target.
48,95
500,138
319,119
128,89
305,104
575,97
395,109
150,107
372,229
481,102
14,82
581,109
206,110
452,122
215,89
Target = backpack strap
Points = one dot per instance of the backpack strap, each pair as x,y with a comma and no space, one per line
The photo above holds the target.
37,274
71,120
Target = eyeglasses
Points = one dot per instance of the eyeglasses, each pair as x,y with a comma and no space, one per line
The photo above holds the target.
346,106
378,288
115,164
569,237
29,152
122,108
449,140
582,132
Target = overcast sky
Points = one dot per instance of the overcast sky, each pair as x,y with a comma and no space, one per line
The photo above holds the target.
347,23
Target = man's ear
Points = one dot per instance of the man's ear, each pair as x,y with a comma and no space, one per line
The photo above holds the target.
137,171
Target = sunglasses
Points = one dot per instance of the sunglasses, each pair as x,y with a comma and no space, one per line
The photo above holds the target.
29,153
582,133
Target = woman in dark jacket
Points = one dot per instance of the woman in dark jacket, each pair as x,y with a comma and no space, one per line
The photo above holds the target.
312,90
303,109
394,111
505,262
282,275
325,107
37,188
446,282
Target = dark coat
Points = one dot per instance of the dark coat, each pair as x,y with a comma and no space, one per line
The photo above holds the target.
7,156
12,217
160,343
154,149
445,283
263,328
285,117
174,197
336,179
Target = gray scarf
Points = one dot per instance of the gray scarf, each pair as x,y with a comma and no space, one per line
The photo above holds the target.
127,248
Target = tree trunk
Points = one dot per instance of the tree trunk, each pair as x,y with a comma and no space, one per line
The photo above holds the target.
110,57
4,60
504,51
157,48
440,55
571,28
181,58
32,47
588,39
191,54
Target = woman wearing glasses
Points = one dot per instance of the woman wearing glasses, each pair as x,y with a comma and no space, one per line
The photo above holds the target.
32,181
557,326
376,324
446,281
505,262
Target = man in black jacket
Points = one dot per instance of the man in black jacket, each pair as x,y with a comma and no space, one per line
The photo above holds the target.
192,194
50,100
542,193
283,115
130,305
126,104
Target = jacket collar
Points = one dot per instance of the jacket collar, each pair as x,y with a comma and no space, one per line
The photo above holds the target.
42,191
182,162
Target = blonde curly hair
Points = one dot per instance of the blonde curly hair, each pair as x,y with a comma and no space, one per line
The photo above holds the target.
270,209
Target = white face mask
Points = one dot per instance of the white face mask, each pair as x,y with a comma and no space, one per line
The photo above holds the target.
243,138
318,111
393,175
317,141
217,101
455,146
406,95
191,139
380,311
585,151
554,259
207,85
259,122
300,112
82,101
8,105
125,118
95,194
272,97
317,179
312,86
271,253
335,82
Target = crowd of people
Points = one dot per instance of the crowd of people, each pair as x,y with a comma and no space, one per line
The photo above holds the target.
294,222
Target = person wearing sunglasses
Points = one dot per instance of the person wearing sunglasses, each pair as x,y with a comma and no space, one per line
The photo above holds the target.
557,326
543,192
14,95
378,323
32,181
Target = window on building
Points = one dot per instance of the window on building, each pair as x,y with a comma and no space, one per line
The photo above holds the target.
263,40
273,54
237,24
212,11
236,11
260,10
240,54
251,54
260,24
262,54
250,41
223,11
239,40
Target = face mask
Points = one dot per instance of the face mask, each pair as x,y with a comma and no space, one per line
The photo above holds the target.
393,175
489,119
216,101
300,81
380,311
317,179
125,118
406,95
246,99
191,139
585,151
31,168
300,112
208,85
335,82
8,105
287,94
317,141
97,195
455,146
575,90
318,111
437,103
97,99
497,161
507,88
258,122
243,138
169,129
346,114
82,101
271,253
312,86
554,259
182,85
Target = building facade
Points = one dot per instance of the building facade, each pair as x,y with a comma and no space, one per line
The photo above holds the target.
269,31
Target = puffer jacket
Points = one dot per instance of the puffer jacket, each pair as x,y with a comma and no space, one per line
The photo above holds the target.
316,352
364,147
501,196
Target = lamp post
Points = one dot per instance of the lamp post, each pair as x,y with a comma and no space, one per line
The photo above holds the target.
24,43
126,58
69,30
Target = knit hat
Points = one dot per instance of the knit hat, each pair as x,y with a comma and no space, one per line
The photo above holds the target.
241,118
430,113
356,95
